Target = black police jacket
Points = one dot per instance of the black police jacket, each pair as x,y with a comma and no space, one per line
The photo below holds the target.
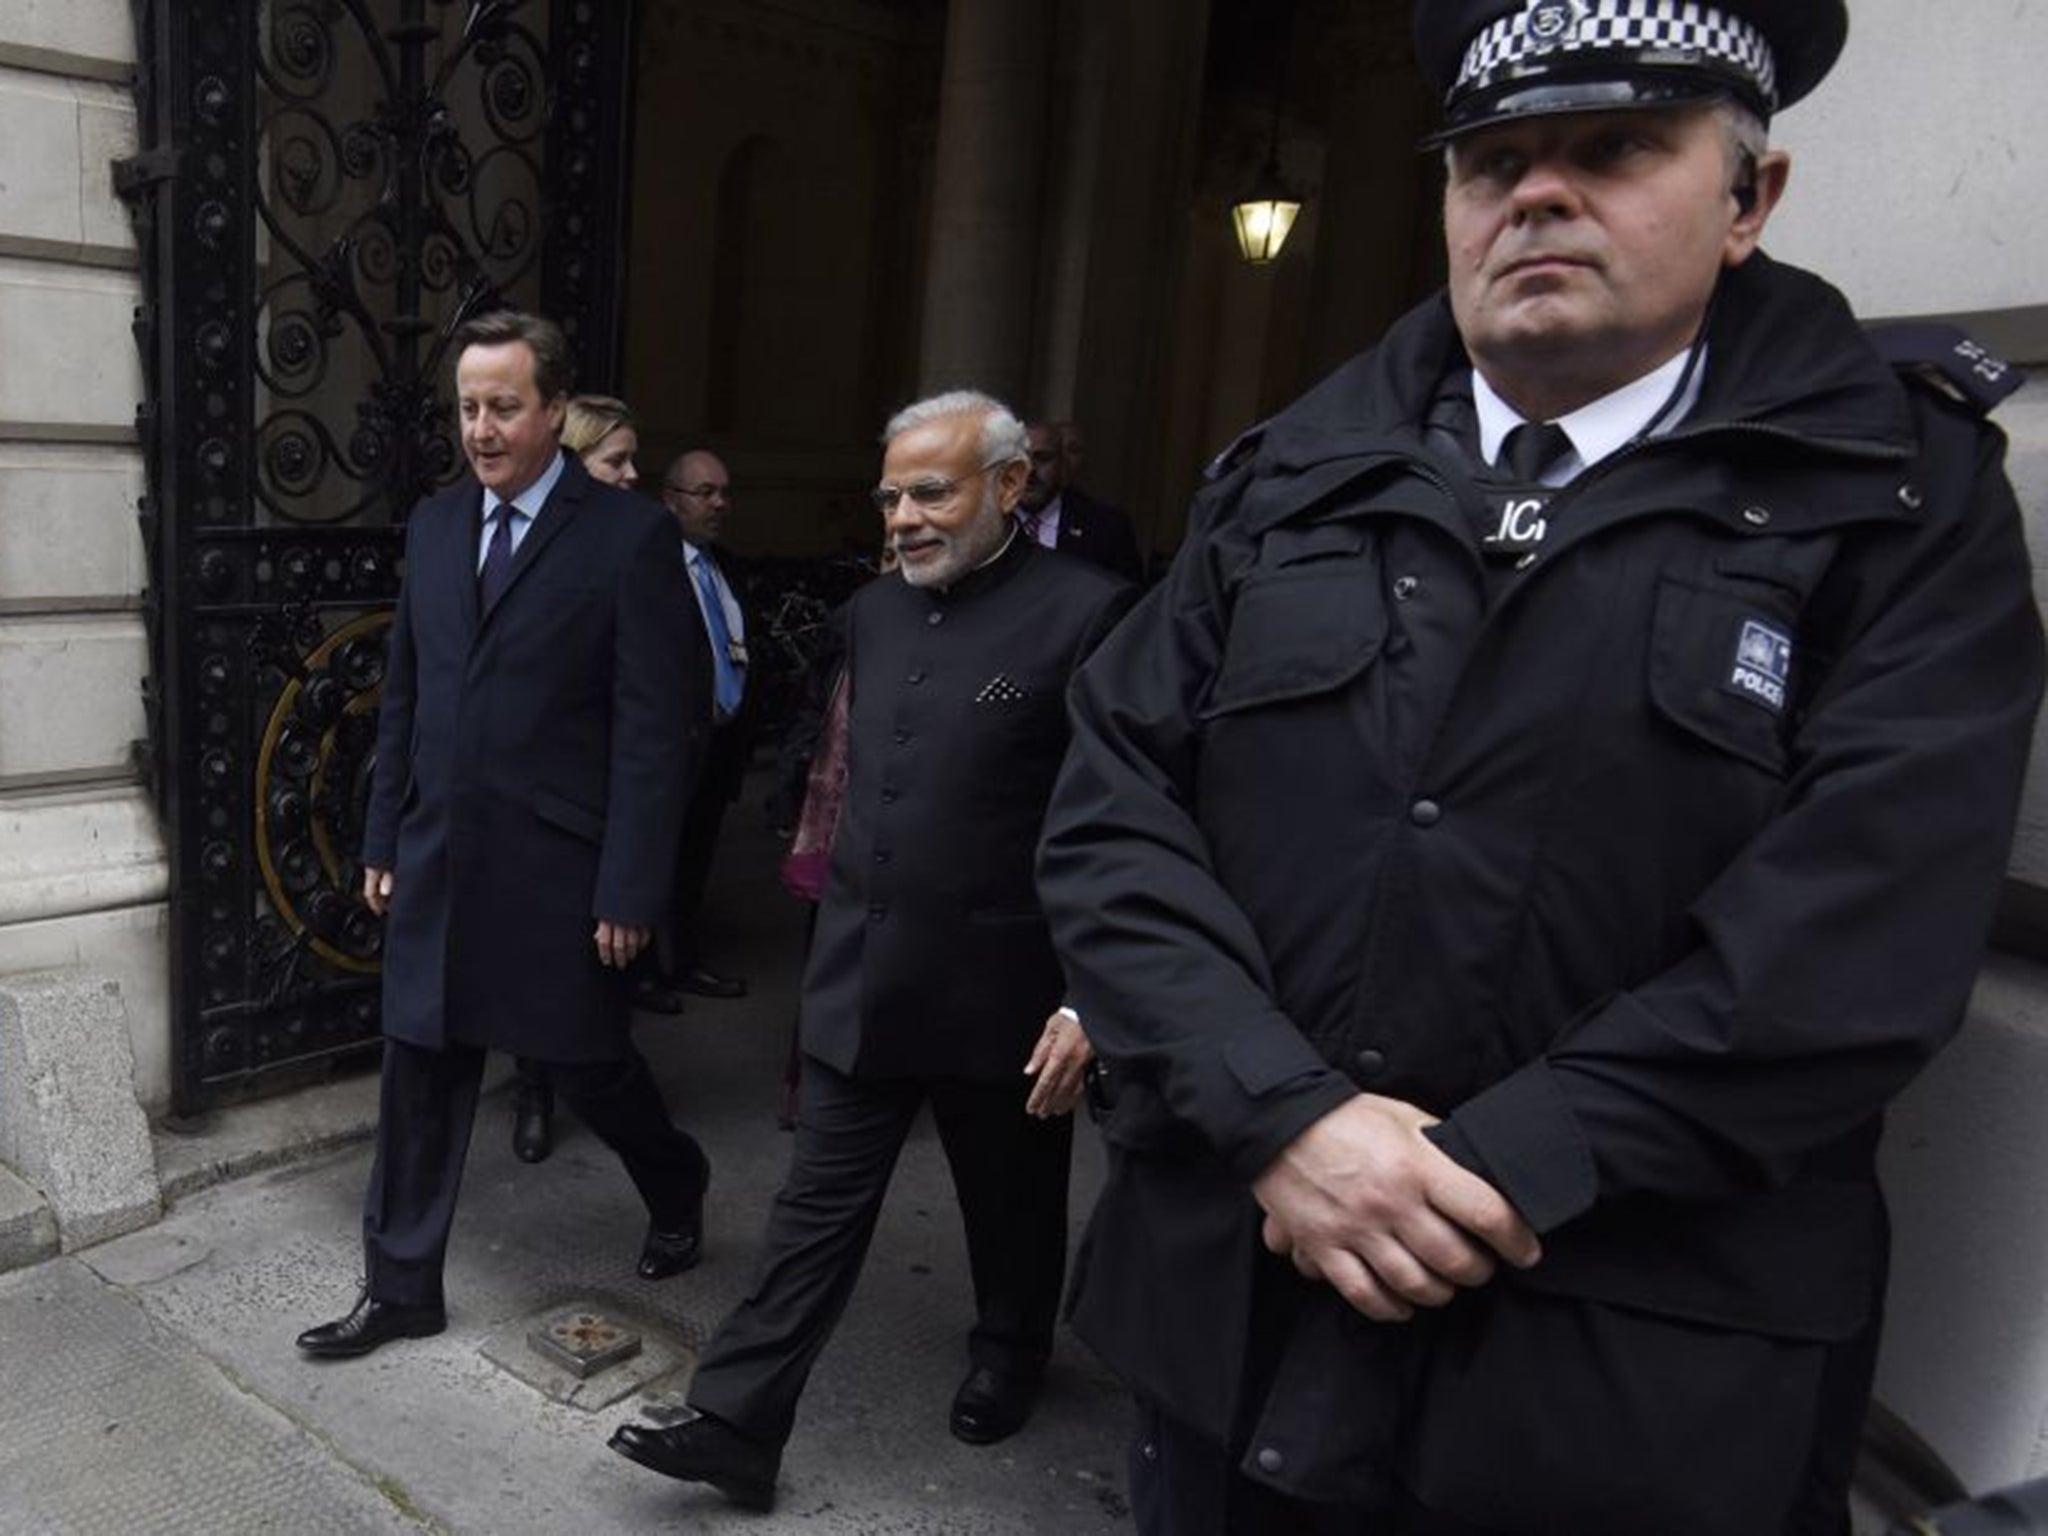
1656,875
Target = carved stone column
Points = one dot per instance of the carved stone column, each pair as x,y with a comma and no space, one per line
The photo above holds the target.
1377,229
988,171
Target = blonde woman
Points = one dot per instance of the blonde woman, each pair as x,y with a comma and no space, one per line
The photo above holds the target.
601,431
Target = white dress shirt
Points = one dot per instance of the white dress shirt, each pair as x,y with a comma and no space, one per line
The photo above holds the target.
525,508
1599,428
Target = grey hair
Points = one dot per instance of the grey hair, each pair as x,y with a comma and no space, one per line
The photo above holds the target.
1002,434
1745,130
1745,138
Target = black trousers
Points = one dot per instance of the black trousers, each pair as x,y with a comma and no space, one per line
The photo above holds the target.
425,1113
1010,1171
703,817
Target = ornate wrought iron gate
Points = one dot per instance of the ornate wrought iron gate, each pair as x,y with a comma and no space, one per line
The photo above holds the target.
326,188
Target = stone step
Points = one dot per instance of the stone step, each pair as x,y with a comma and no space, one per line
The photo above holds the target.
28,1232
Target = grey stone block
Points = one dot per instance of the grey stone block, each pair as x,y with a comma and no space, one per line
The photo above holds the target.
69,1122
28,1232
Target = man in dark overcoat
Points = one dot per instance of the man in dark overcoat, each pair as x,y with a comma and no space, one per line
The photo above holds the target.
931,977
539,713
1556,800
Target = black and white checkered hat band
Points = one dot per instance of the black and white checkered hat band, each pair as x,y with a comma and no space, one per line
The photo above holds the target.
1550,32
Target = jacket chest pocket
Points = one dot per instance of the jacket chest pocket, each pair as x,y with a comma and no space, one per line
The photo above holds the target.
1008,710
1723,665
1308,625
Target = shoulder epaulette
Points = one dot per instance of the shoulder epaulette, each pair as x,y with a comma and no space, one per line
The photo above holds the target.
1947,357
1242,447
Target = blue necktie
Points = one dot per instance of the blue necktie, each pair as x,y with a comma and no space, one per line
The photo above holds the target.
497,567
727,686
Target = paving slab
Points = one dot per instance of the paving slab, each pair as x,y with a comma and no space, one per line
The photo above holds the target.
464,1445
108,1425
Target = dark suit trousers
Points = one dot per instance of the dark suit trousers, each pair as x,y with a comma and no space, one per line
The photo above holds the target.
703,816
1010,1172
427,1107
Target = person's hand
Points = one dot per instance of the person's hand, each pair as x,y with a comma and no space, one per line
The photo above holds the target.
618,944
376,889
1363,1200
1059,1063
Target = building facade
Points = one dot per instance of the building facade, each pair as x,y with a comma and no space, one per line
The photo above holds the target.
221,382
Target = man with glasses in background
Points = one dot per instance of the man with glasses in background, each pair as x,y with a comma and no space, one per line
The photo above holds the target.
1060,515
931,976
697,490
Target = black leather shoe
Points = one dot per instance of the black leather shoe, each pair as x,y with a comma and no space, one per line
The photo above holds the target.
705,983
992,1405
702,1449
652,997
533,1130
371,1324
666,1254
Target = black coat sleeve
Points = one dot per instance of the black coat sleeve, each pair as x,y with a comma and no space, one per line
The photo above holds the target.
397,698
1160,961
659,678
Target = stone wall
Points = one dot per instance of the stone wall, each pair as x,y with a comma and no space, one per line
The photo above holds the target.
1916,187
83,879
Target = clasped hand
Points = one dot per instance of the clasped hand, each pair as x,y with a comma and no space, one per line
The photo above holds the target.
1363,1200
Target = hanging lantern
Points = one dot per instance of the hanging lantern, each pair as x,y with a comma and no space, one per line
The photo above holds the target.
1264,216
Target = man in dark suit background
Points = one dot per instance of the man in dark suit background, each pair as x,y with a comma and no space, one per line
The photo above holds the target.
697,490
539,711
931,976
1058,514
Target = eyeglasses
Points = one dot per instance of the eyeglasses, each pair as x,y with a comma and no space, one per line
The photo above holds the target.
928,494
702,492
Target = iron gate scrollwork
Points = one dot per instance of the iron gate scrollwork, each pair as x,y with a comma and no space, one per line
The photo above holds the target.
325,190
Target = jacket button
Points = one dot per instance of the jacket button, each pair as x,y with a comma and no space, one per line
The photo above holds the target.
901,738
877,912
1270,1460
1406,587
915,678
935,617
888,797
1149,1450
1425,813
1910,497
1756,517
882,855
1371,1062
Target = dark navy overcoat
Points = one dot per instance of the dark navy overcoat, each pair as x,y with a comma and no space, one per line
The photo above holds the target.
531,767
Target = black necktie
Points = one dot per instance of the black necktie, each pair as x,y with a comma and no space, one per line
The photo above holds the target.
497,568
1533,448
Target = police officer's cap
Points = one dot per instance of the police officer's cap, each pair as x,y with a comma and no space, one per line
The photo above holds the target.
1494,60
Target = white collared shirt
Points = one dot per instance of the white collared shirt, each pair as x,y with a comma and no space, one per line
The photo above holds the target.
1045,526
525,508
1600,427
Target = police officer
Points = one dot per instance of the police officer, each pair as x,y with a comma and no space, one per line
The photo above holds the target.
1556,800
